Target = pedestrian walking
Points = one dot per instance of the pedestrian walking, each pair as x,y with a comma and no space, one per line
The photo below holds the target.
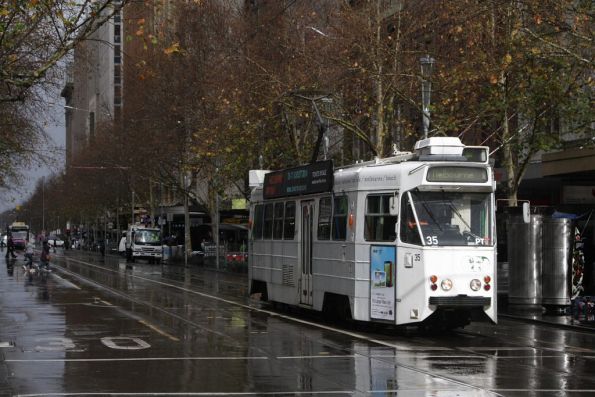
10,247
44,258
29,250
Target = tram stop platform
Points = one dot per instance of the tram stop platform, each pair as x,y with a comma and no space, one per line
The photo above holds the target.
579,315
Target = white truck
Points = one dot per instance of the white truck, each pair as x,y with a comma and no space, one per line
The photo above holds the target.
143,242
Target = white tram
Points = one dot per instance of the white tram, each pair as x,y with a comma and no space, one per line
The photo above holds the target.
401,240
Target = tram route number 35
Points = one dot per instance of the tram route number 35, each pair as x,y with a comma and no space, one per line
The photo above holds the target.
432,240
113,342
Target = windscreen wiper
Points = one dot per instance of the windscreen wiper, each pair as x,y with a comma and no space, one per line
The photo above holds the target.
458,214
423,203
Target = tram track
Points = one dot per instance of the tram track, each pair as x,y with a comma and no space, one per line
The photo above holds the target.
368,328
175,285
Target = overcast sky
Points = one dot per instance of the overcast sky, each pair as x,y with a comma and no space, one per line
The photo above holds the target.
54,127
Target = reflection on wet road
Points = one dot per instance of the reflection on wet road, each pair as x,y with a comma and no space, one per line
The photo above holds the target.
96,326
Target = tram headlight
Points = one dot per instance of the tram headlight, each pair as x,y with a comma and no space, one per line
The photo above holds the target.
475,284
446,284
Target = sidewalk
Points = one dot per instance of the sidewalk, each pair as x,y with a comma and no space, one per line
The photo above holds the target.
582,322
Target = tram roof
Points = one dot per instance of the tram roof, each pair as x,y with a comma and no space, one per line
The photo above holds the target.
446,155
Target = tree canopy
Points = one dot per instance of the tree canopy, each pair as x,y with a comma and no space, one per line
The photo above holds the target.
215,88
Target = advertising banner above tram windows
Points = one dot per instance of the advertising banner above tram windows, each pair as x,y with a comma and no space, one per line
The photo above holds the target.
457,174
305,179
382,282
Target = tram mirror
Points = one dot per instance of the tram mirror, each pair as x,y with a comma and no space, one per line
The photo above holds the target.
526,213
394,204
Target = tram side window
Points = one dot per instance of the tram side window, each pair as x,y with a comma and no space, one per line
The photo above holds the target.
289,222
379,224
278,222
257,231
340,218
409,230
267,230
324,219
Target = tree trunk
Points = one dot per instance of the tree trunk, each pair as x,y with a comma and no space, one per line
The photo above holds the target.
511,188
187,241
378,89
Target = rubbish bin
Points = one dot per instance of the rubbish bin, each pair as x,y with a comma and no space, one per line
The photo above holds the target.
556,269
525,261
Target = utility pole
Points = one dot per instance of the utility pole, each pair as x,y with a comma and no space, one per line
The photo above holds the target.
161,219
43,204
118,218
187,181
151,202
427,64
217,226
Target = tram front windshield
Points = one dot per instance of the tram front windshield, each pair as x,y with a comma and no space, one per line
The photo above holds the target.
20,235
452,218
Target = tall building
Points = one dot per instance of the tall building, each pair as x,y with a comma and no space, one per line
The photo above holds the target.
93,90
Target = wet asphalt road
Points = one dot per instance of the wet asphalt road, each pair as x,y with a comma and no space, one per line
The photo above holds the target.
96,327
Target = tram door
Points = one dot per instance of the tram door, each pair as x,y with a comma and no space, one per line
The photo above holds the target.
307,222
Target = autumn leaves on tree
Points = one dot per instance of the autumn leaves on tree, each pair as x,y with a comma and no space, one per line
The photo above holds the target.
215,88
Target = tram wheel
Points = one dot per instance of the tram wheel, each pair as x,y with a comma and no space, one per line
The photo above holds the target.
259,289
336,307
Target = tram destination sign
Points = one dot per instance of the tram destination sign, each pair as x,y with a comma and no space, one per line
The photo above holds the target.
305,179
457,174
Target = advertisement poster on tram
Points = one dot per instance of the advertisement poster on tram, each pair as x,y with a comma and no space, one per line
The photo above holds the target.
382,282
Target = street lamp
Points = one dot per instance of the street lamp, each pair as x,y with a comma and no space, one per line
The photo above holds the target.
427,64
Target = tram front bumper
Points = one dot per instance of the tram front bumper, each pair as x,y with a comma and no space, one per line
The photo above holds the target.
460,301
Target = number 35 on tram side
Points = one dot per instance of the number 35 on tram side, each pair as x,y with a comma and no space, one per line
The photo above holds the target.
406,240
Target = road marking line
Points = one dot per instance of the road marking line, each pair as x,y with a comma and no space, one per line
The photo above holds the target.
282,316
323,355
481,348
112,343
557,391
158,330
59,360
66,282
295,393
327,356
340,392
